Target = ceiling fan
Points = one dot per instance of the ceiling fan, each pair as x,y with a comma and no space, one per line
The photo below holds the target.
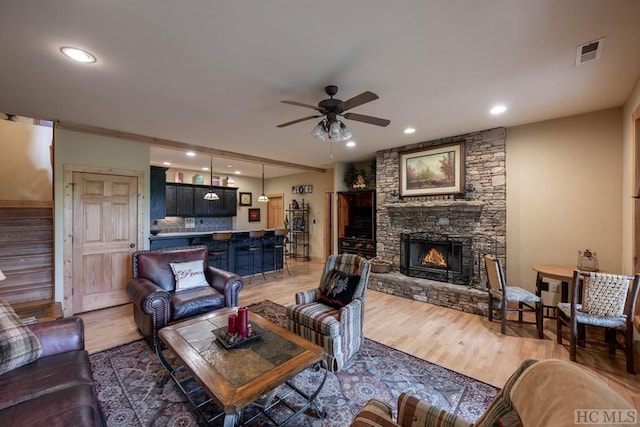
331,128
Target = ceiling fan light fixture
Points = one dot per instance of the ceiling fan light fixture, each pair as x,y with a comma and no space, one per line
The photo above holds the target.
346,133
318,131
335,132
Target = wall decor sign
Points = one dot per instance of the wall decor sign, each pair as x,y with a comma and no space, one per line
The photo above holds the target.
302,189
244,199
434,170
254,214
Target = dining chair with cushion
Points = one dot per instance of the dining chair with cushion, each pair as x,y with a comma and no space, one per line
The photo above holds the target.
501,295
332,315
609,302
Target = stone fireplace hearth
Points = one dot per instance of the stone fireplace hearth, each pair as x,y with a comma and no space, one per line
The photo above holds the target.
476,218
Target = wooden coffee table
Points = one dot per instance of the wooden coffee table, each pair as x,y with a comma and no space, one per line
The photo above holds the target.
237,377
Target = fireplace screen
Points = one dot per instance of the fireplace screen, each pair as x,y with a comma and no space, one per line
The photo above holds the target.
436,257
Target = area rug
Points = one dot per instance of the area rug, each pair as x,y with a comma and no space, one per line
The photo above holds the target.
127,376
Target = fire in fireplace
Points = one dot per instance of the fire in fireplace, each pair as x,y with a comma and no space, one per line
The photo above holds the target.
438,257
434,258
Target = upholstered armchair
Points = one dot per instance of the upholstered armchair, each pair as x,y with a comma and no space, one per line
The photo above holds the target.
159,300
332,315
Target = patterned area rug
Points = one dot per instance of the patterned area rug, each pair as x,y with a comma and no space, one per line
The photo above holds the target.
126,379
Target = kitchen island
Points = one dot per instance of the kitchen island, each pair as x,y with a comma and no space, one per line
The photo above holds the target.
238,260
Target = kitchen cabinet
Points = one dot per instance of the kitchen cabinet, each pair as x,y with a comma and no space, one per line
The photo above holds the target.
202,207
230,201
158,196
179,200
226,205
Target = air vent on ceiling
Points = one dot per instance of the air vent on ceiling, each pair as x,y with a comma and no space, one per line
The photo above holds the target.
589,51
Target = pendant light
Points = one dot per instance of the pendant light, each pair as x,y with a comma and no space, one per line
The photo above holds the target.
210,194
263,198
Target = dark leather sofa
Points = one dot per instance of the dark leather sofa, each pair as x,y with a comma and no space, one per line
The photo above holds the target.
58,388
152,289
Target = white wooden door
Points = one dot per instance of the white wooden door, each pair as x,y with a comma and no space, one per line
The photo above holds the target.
104,234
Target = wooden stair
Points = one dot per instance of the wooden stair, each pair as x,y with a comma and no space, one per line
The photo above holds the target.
26,252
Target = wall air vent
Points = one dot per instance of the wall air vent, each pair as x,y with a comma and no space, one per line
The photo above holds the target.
589,51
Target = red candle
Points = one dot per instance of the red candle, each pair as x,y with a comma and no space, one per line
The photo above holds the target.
242,326
231,323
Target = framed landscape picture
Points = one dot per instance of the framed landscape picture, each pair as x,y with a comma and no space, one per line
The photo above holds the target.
432,171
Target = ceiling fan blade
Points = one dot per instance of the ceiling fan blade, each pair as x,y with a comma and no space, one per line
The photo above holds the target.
300,104
367,119
293,122
363,98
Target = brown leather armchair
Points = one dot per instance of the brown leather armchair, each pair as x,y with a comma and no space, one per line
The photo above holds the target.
152,289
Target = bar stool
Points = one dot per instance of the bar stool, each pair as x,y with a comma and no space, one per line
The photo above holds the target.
252,247
277,243
220,248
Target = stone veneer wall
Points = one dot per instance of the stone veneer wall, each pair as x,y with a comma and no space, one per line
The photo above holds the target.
481,212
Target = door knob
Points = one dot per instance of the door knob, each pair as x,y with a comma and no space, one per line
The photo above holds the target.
132,245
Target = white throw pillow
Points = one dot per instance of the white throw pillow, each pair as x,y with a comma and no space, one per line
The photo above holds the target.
189,274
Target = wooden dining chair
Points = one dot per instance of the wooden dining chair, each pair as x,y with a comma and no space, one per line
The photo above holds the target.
608,302
501,295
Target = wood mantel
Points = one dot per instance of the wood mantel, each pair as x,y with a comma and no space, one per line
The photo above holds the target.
473,206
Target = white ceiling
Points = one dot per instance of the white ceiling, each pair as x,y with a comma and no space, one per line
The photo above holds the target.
213,73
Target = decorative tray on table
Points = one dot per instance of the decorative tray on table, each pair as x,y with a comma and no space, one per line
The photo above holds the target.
234,340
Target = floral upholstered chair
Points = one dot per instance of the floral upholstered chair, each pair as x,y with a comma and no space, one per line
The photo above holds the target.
332,314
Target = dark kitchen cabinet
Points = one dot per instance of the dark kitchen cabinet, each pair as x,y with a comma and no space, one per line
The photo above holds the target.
357,222
226,205
179,199
202,207
158,195
230,202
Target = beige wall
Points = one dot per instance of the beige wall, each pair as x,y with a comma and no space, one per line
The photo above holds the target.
321,184
564,184
25,164
629,185
74,148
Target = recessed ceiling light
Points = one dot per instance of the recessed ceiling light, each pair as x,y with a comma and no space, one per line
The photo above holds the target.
205,168
166,163
237,172
78,54
229,166
409,130
191,154
498,109
351,144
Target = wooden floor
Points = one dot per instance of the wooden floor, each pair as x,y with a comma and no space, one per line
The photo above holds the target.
463,342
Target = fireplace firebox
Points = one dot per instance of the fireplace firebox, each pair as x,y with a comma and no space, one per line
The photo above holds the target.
444,258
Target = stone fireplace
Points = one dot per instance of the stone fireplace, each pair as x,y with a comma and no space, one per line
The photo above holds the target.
475,220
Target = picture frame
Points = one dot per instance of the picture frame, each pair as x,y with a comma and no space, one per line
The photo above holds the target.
254,214
432,171
245,199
